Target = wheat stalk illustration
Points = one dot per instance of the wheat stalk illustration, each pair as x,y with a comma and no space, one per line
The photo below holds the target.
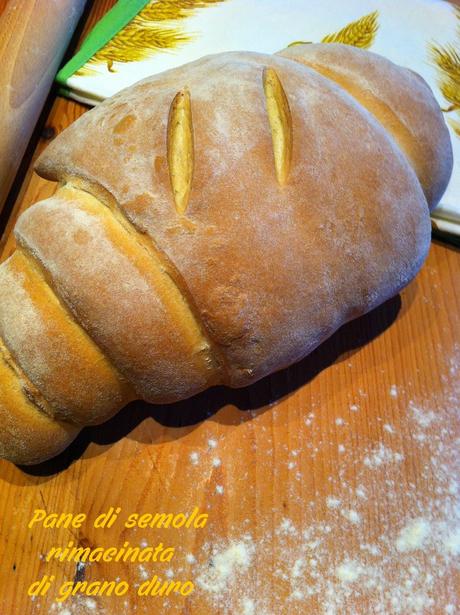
446,58
168,10
148,33
456,8
359,33
454,125
451,92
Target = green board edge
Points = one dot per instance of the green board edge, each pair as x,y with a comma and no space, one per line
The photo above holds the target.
105,29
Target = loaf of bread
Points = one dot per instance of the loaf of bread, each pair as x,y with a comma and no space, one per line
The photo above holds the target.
213,224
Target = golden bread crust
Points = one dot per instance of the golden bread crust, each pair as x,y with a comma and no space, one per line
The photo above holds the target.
399,99
268,265
216,223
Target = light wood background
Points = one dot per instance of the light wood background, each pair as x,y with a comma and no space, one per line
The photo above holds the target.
342,467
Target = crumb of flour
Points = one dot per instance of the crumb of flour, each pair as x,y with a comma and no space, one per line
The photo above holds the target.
413,535
79,606
226,562
348,571
388,428
382,455
351,515
332,502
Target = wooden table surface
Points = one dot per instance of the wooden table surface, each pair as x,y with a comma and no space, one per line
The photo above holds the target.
330,487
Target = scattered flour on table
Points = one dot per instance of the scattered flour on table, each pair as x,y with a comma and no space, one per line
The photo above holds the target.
331,560
334,562
423,418
143,572
81,606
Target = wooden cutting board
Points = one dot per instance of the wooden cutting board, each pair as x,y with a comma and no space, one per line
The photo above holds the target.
327,488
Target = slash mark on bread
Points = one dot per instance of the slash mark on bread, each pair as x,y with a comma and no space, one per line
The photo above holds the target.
179,298
279,116
30,392
180,149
